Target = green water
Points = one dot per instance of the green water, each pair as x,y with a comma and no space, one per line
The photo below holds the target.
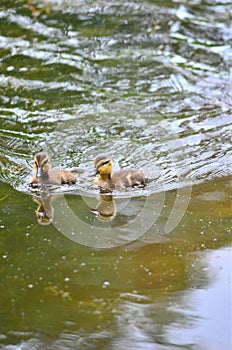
149,83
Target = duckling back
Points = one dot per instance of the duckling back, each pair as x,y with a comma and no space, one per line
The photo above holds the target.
56,176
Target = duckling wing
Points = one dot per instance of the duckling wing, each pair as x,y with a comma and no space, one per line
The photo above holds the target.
67,177
129,178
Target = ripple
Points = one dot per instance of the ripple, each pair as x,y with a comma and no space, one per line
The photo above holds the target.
149,85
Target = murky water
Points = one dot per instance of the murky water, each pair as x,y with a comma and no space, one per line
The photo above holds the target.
149,83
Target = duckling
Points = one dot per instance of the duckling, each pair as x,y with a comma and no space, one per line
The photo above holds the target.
46,175
118,180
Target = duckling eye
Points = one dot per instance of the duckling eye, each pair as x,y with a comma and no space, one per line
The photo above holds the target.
104,163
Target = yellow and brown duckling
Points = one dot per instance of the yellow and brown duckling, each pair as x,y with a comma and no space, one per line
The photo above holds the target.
118,180
44,174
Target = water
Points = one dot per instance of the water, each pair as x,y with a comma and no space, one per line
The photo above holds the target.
149,83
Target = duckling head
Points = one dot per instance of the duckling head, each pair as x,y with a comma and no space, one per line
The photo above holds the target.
42,164
103,165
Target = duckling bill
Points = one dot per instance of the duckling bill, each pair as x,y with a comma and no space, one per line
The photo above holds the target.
105,177
44,174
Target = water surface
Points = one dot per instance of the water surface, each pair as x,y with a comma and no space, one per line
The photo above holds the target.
149,83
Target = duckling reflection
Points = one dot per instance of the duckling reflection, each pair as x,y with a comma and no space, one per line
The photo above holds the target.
44,174
106,208
45,210
119,180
